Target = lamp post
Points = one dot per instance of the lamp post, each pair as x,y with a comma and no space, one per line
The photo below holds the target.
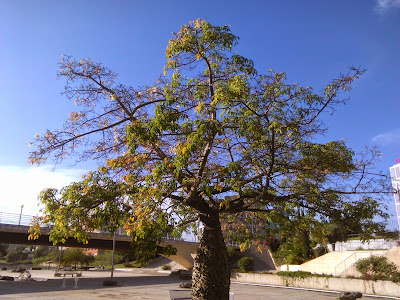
59,259
111,282
20,215
112,259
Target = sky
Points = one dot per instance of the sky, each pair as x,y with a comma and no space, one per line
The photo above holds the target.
312,41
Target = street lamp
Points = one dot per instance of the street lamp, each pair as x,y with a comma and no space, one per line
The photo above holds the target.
20,215
111,282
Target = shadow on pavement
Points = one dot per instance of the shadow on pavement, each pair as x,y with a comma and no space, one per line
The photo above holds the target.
52,285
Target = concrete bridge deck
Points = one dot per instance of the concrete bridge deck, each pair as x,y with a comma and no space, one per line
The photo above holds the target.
14,229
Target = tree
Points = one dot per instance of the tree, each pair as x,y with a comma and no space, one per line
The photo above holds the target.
3,250
42,251
210,140
75,256
17,254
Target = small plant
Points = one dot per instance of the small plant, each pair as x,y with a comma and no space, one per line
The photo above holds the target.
246,264
378,268
166,267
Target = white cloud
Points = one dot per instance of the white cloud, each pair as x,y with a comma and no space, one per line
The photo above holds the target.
21,186
387,138
382,6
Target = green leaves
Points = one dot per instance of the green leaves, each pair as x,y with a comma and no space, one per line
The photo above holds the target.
213,137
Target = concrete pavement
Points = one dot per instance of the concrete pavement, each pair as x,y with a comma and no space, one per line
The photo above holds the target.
135,284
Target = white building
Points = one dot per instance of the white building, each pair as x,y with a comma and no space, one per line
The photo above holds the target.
395,175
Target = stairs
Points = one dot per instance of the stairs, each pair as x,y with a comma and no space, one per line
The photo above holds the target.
337,262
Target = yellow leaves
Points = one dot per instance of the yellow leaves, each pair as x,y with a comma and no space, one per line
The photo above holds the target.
224,204
199,107
70,64
75,116
198,23
34,232
36,160
50,136
219,188
183,149
198,56
243,246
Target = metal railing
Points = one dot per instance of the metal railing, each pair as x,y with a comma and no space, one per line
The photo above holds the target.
15,219
351,261
25,220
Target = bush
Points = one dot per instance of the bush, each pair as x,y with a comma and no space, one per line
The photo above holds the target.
166,267
127,264
377,268
246,264
233,256
17,254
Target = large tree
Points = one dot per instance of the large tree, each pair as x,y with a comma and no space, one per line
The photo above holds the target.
210,140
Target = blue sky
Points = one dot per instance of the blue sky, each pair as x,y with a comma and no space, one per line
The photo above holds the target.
312,41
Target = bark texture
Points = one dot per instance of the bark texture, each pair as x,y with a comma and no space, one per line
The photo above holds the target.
211,274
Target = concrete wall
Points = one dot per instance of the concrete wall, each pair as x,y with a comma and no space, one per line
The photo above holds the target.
382,288
394,256
352,245
292,268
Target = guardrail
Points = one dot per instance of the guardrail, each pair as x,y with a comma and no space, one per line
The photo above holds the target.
351,261
15,219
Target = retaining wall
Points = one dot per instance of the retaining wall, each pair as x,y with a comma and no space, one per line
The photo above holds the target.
382,288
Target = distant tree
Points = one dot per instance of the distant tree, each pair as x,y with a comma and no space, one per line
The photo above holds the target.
75,257
3,250
42,251
211,140
18,253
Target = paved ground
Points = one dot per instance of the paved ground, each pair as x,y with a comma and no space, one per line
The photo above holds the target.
136,284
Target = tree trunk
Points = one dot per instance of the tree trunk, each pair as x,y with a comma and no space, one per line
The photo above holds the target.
211,274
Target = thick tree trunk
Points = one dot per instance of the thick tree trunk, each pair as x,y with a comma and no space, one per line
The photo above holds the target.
211,274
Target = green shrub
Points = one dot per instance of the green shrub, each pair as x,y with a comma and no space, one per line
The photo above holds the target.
246,264
127,264
166,267
233,255
300,274
17,254
378,268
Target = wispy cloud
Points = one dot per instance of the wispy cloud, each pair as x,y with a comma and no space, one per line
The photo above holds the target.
382,6
387,138
21,186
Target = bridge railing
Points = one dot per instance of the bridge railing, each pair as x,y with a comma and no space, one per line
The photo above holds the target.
15,219
25,220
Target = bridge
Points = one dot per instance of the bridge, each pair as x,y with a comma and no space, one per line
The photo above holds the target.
14,229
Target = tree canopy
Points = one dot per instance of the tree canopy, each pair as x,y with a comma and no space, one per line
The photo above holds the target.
211,140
